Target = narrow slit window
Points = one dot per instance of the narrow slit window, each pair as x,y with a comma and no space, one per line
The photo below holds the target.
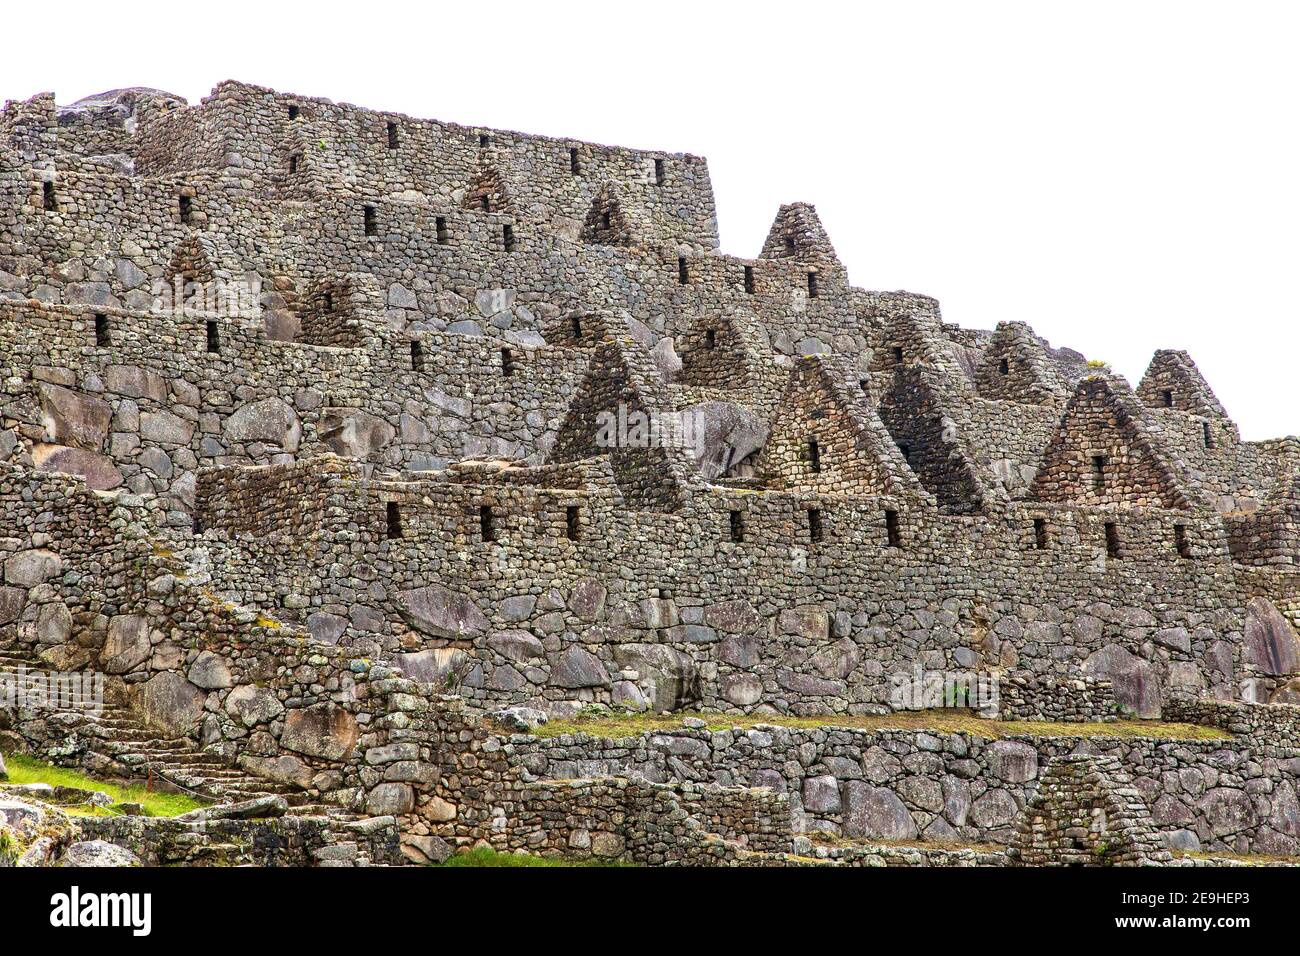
103,338
893,531
187,209
575,165
814,524
906,451
507,363
327,301
573,522
417,356
898,355
749,279
214,337
293,164
371,221
1112,540
487,523
1181,543
789,243
812,285
484,140
1040,534
48,199
737,526
1098,472
444,236
814,455
575,326
394,520
485,202
661,172
392,136
1207,433
294,112
1004,367
1168,397
683,276
605,219
508,238
711,339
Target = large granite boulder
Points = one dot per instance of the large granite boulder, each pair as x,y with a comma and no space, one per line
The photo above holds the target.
353,433
270,421
72,418
172,704
442,613
876,813
322,730
1134,681
98,853
725,435
1271,642
98,471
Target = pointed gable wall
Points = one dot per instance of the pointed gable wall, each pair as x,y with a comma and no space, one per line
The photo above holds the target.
1172,380
1106,454
854,454
611,415
798,234
722,351
1016,368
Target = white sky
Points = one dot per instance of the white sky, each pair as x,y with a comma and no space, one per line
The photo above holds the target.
1122,176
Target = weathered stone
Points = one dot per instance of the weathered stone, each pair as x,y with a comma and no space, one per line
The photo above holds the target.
322,730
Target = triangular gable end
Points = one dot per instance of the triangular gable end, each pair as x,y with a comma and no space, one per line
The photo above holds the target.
1172,380
798,233
621,411
1016,368
1106,454
826,437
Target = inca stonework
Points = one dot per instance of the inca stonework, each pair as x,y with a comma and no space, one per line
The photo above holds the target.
327,432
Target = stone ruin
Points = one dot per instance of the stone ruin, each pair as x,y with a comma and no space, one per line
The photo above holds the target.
313,417
1086,812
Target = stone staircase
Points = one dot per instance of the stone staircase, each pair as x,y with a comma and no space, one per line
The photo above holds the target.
126,746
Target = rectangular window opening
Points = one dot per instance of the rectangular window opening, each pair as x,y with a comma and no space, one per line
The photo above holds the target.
484,140
711,339
812,285
294,112
1168,397
371,221
214,337
814,524
48,199
507,362
508,238
575,326
392,136
417,356
1004,367
893,532
814,455
898,355
906,451
575,166
1098,472
293,164
683,276
487,523
573,522
1207,433
737,526
1181,542
661,172
1040,534
1112,540
103,338
394,516
605,220
440,223
187,209
749,279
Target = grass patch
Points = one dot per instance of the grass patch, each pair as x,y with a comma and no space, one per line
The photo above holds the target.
938,721
24,769
486,856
